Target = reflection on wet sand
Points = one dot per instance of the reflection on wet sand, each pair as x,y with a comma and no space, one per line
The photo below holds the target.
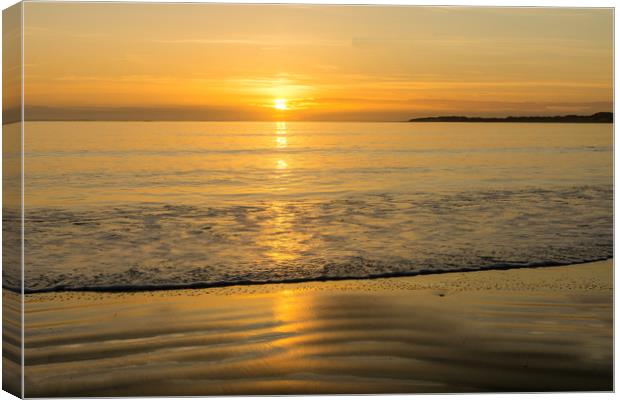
423,334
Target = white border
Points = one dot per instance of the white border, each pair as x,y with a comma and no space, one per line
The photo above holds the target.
23,227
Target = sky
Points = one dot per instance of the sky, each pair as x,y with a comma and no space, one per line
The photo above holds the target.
312,62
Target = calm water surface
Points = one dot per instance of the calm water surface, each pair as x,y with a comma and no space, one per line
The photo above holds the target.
152,204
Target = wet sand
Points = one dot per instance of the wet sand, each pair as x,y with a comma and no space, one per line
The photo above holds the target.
535,329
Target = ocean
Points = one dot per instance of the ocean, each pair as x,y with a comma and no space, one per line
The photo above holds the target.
152,205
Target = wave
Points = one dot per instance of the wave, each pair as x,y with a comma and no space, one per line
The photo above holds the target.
206,285
151,246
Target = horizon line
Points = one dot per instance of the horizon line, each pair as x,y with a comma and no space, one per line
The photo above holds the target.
290,120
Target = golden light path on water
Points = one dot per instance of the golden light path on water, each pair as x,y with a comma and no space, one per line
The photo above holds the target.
283,242
281,139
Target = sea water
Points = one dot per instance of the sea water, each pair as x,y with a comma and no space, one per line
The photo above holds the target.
145,205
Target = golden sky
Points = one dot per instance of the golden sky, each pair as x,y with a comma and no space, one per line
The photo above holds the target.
201,61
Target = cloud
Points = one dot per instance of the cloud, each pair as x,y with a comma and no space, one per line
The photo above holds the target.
264,41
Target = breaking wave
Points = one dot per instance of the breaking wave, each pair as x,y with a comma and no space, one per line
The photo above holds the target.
153,246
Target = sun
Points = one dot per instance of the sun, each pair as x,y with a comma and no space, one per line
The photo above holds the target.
280,104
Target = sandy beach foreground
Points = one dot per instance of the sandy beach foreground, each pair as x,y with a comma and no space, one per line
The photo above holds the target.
516,330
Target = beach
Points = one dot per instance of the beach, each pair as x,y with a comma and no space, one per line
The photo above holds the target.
528,329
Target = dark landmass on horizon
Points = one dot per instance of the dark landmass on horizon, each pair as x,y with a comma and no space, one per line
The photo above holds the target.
599,118
41,113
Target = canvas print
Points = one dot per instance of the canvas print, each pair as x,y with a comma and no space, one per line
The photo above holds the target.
252,199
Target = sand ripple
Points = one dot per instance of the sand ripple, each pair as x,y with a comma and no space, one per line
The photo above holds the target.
333,337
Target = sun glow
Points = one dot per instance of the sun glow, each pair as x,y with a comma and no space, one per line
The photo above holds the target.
280,104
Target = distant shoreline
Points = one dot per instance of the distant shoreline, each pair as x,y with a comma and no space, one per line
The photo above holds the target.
598,118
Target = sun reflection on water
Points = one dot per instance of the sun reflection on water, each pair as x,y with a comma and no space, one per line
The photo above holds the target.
281,142
283,239
281,139
281,128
